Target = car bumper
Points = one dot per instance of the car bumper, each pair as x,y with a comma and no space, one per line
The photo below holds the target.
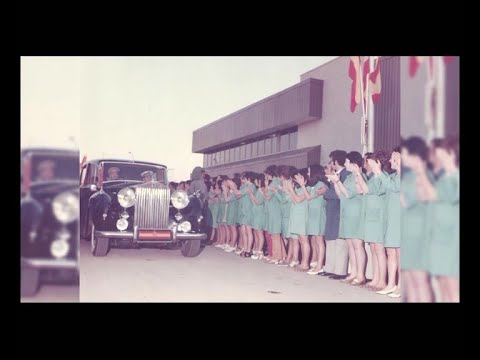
50,263
176,236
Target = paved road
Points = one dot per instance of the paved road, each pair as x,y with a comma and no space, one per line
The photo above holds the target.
156,275
55,293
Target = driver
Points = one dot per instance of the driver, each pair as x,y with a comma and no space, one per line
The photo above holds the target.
147,176
46,170
113,173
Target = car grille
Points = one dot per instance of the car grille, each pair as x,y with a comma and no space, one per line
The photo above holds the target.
152,208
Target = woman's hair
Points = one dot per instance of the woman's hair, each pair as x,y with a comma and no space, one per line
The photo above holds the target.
304,173
415,145
219,183
237,182
287,171
451,144
206,177
355,158
317,173
260,178
208,184
248,175
271,170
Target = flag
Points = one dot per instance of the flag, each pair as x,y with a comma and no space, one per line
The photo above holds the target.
354,74
375,82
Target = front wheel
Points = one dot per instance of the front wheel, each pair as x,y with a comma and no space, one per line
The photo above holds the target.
30,281
190,248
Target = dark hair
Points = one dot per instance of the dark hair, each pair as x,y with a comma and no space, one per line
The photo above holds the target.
317,173
260,178
368,155
415,145
237,182
220,183
248,175
451,144
303,172
206,177
339,156
279,170
188,182
355,158
236,175
287,171
271,170
174,184
181,182
397,149
208,184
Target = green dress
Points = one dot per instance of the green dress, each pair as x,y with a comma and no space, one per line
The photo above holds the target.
214,209
221,209
298,215
351,211
393,212
258,218
273,210
317,211
414,244
375,212
232,209
245,206
285,206
445,236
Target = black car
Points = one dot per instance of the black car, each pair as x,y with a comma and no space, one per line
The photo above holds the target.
49,216
128,204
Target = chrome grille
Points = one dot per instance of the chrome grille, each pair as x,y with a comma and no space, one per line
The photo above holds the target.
151,208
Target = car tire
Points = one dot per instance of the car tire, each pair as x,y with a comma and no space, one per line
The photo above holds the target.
100,245
30,281
191,248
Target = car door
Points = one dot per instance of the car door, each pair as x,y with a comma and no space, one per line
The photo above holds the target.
87,189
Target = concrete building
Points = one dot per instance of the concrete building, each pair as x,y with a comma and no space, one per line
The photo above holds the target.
302,124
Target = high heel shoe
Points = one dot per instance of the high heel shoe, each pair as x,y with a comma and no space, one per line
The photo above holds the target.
395,295
386,292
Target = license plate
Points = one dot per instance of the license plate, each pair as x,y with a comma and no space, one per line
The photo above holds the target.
154,235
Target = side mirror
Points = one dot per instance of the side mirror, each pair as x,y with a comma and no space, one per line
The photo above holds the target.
93,187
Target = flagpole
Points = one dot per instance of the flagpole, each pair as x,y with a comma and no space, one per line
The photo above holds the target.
440,101
371,112
364,117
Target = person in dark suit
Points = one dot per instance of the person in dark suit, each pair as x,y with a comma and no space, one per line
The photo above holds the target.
336,262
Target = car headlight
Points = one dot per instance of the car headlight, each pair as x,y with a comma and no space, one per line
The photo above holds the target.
126,197
184,226
122,224
180,199
65,207
59,248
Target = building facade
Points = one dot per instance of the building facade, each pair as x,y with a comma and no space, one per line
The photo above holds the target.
302,124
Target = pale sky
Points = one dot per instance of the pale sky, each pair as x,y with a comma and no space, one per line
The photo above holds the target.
145,105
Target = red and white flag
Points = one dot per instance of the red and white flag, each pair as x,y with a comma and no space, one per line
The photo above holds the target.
354,74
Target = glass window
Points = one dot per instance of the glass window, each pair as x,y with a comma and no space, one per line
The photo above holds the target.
274,144
248,151
261,148
284,142
227,156
237,153
232,154
268,146
255,149
221,156
293,141
242,152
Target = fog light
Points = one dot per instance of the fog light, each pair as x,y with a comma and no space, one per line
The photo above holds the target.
185,226
122,224
59,248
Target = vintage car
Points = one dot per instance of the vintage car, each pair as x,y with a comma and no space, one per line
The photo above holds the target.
128,204
49,217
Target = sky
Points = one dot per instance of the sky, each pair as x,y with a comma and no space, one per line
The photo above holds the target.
143,107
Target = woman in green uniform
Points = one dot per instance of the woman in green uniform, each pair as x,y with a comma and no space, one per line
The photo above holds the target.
317,213
391,183
231,216
414,234
351,216
213,206
374,215
220,215
258,215
444,195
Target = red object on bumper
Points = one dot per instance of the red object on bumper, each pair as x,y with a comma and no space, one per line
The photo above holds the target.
154,235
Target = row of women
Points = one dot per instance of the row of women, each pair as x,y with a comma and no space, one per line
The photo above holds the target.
286,206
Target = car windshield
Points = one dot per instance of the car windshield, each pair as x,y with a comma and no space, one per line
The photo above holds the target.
54,167
120,171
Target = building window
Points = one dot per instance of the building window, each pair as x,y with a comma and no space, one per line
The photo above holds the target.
237,153
268,146
248,151
232,154
284,143
275,144
242,152
222,160
293,140
227,156
261,147
254,149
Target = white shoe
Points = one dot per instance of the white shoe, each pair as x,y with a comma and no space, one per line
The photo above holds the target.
313,265
219,245
238,252
230,249
294,263
386,292
254,257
